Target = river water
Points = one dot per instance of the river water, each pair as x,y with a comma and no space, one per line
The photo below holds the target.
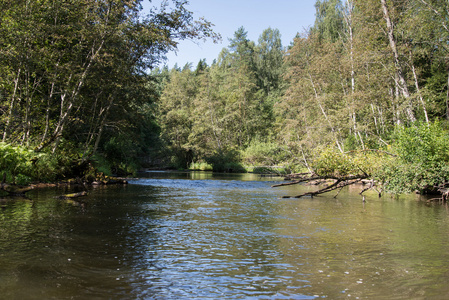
212,236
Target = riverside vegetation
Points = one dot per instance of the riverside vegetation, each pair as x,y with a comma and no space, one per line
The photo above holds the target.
362,94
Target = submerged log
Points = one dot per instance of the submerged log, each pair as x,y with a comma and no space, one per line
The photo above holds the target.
15,190
72,196
444,195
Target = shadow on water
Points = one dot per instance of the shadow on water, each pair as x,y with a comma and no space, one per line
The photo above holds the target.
202,235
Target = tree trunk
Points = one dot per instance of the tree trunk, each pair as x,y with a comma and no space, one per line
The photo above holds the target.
402,83
325,115
94,124
71,93
419,91
103,114
11,107
447,97
71,98
211,110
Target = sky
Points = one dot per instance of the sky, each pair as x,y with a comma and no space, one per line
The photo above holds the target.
289,16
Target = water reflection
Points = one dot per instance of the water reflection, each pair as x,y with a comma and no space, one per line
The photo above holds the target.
204,235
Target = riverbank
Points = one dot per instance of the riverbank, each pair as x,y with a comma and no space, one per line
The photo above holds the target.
21,190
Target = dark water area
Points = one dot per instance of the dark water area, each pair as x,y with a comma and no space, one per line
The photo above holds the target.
214,236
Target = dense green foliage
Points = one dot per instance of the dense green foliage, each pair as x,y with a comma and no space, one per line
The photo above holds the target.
422,161
74,82
21,165
367,81
363,91
215,112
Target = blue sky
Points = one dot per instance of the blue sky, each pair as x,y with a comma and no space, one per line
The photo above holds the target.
289,16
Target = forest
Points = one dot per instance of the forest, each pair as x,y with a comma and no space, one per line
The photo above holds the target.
363,93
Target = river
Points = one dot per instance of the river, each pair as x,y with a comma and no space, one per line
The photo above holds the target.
174,235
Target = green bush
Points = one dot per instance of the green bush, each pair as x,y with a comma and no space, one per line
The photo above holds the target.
15,163
21,165
262,154
226,161
271,170
331,162
422,160
102,165
422,143
46,167
203,166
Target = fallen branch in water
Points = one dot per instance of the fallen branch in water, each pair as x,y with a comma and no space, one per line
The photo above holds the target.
302,177
297,175
444,195
339,183
15,190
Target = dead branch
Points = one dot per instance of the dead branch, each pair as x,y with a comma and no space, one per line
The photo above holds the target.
340,182
368,188
297,175
444,195
15,190
305,179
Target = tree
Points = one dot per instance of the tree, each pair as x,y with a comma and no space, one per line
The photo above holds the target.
329,20
54,53
401,81
176,117
242,49
269,61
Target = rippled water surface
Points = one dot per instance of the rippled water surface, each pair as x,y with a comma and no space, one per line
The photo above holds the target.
209,236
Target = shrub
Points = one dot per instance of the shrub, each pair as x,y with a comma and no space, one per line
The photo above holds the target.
422,159
262,154
226,161
46,167
203,166
331,162
271,170
21,165
15,163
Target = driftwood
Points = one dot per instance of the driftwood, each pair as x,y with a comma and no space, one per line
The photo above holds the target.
339,183
444,194
15,190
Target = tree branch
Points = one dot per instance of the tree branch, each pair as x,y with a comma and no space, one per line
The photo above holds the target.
340,182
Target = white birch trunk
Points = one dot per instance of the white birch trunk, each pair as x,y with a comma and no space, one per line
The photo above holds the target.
402,83
11,107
